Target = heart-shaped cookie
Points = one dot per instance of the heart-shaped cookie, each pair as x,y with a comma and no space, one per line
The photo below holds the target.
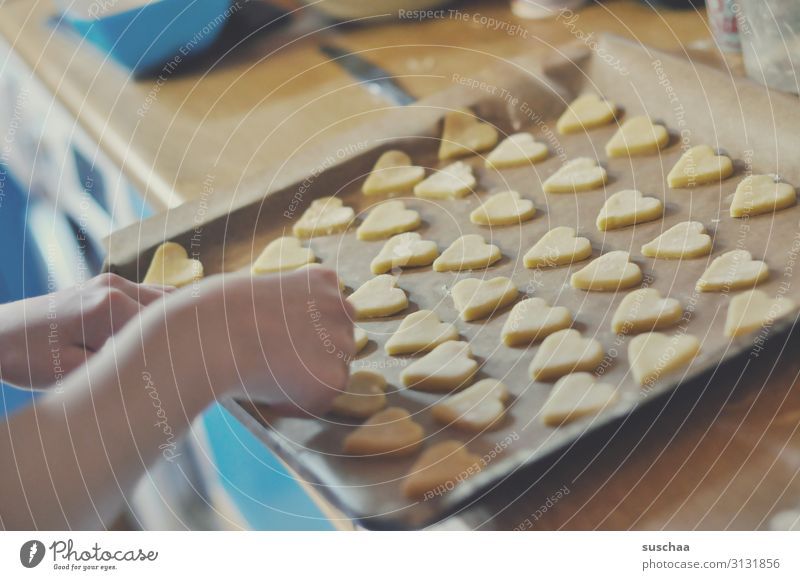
447,367
564,352
364,396
654,354
325,216
476,408
420,332
465,134
516,150
699,165
610,272
558,247
732,270
645,310
757,194
532,320
477,298
378,297
683,240
754,309
387,219
581,174
360,338
503,209
637,136
439,469
393,173
451,182
391,432
576,396
586,112
286,253
468,252
407,250
172,266
626,208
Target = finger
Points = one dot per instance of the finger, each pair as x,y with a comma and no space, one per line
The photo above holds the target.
106,316
142,293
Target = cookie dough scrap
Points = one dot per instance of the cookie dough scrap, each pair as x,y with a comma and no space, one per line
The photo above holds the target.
172,266
533,319
517,150
393,173
581,174
626,208
364,396
420,331
465,134
286,253
476,298
470,252
654,354
644,310
325,216
576,396
564,352
360,338
558,247
586,112
683,240
439,469
610,272
753,310
699,165
503,209
757,194
391,432
476,408
378,297
637,136
734,270
407,250
387,219
451,182
446,368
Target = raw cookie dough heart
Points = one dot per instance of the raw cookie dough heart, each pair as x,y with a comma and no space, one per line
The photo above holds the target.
404,251
683,240
465,134
439,469
576,396
754,309
654,354
637,136
393,173
390,432
467,253
447,367
503,209
364,396
626,208
378,297
610,272
360,338
645,310
388,219
286,253
581,174
699,165
533,319
586,112
451,182
420,332
757,194
325,216
564,352
516,150
558,247
732,270
476,408
475,298
172,266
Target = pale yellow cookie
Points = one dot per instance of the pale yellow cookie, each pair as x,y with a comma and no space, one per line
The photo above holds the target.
476,408
451,182
283,254
407,250
378,297
610,272
637,136
439,469
557,247
699,165
388,219
533,319
420,332
447,367
564,352
581,174
653,354
516,150
364,396
465,134
626,208
393,173
325,216
754,309
732,270
757,194
468,252
683,240
172,266
503,209
586,112
360,338
476,298
645,310
575,396
391,432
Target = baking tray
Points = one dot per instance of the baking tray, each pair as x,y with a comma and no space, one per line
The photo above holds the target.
758,129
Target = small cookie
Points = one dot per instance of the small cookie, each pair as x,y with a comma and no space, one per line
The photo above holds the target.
576,396
558,247
420,332
451,182
637,136
360,338
325,216
586,112
757,194
564,352
447,367
533,319
516,150
172,266
391,432
388,219
378,297
754,309
610,272
503,209
626,208
464,134
476,408
683,240
581,174
654,354
392,173
286,253
732,270
478,298
439,469
364,396
699,165
469,252
407,250
644,310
